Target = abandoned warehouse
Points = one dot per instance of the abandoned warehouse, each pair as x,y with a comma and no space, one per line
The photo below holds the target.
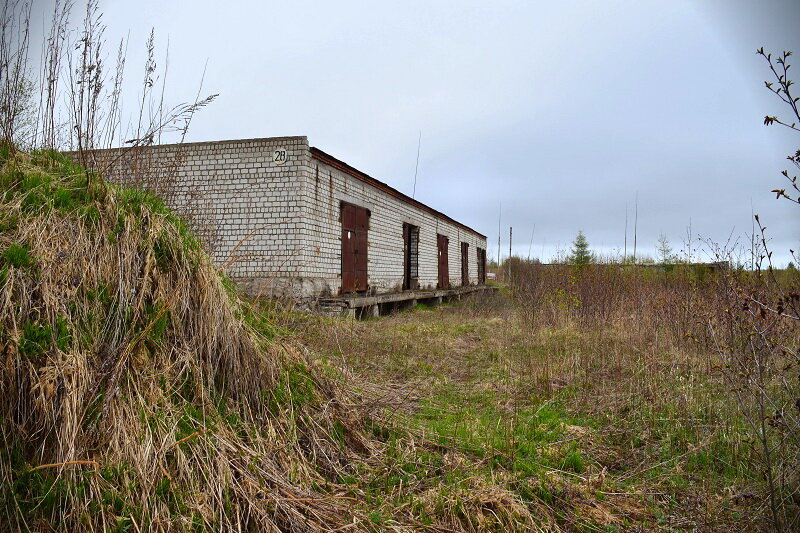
289,220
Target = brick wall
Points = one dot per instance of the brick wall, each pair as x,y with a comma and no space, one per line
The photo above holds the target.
243,204
274,225
327,186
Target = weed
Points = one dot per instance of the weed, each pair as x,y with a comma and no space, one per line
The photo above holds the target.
17,256
545,391
295,388
8,223
37,338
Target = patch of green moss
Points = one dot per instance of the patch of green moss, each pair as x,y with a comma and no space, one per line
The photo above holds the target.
37,338
18,256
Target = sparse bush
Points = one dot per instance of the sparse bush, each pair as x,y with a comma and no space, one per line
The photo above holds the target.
756,331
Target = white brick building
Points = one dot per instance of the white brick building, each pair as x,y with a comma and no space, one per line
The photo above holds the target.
287,219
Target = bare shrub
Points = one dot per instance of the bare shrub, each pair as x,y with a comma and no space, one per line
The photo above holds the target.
757,334
16,87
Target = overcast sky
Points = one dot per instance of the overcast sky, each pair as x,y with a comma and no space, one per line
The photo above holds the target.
561,112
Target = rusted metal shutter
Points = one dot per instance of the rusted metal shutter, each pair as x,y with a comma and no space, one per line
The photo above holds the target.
481,266
464,264
355,242
444,273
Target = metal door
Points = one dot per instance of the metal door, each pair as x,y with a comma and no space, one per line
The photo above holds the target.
355,227
464,264
410,256
444,272
481,266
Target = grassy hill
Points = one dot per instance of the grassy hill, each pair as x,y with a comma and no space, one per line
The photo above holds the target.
138,391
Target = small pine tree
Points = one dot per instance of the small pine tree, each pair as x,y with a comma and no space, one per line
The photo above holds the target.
664,250
580,255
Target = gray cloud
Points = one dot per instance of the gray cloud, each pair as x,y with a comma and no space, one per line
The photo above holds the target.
561,111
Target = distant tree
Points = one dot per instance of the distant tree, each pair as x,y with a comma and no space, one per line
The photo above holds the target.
790,266
580,255
664,250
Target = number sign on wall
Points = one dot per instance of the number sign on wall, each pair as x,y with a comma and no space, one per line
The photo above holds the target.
280,156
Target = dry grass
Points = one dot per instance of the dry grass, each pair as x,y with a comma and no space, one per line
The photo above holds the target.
591,394
140,393
135,396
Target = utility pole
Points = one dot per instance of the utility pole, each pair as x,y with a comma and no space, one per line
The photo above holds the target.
625,252
635,226
531,243
752,237
499,218
510,231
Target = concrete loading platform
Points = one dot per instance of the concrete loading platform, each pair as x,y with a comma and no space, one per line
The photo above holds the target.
366,306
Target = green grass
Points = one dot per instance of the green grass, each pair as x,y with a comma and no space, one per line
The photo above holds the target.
559,415
529,440
37,337
17,256
53,182
295,388
44,182
548,409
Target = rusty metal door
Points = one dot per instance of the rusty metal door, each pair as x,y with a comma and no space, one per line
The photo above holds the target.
481,266
355,227
464,264
410,256
444,269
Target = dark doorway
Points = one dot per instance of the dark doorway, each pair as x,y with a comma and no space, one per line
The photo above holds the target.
410,256
355,227
481,266
464,264
444,272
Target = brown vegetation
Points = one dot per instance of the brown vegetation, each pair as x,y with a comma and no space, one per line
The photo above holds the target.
603,388
138,392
